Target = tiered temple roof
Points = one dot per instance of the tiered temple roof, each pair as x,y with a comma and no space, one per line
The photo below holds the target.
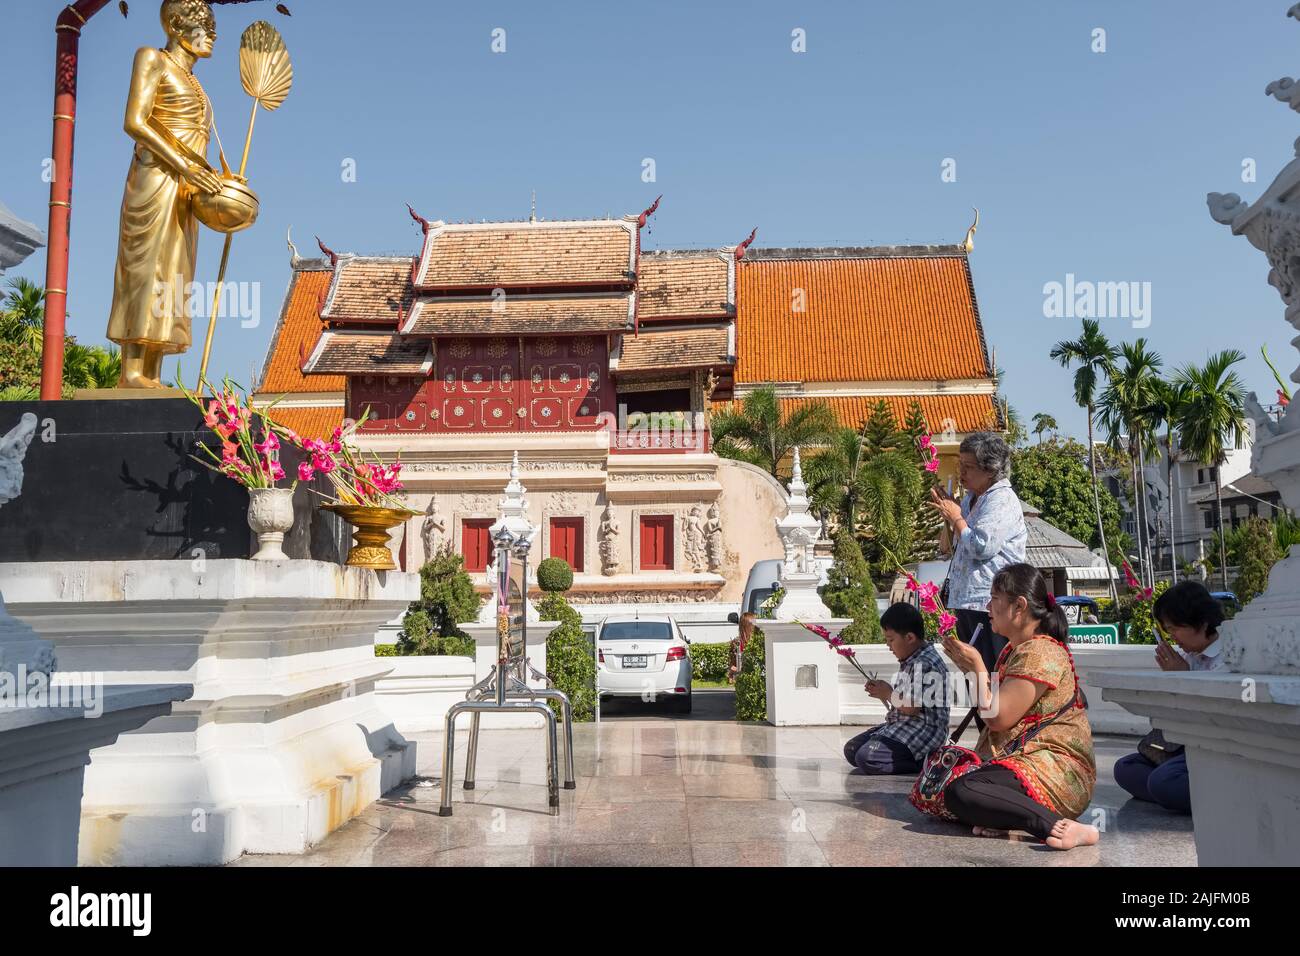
847,325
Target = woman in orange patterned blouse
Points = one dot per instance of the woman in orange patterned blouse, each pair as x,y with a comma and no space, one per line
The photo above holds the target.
1039,770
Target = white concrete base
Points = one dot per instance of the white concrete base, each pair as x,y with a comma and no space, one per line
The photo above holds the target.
43,756
803,684
283,739
1242,733
485,658
840,697
801,601
418,691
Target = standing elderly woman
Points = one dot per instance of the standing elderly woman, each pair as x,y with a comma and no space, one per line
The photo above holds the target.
988,534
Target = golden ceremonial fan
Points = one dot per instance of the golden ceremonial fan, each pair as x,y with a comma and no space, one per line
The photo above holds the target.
266,74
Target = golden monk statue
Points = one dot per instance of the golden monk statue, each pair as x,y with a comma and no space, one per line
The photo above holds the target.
168,115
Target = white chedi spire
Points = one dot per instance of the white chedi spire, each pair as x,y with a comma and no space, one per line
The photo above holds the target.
514,510
799,532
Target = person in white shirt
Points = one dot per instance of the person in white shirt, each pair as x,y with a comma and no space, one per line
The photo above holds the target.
1190,616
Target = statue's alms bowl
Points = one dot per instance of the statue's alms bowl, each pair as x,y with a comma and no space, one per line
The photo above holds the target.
232,209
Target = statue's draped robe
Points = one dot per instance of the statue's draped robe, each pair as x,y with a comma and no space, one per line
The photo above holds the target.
159,234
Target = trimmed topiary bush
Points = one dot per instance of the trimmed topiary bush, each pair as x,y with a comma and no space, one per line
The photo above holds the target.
554,575
447,600
569,663
751,682
850,593
710,661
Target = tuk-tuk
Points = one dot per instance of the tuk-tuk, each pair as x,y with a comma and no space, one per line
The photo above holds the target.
1078,608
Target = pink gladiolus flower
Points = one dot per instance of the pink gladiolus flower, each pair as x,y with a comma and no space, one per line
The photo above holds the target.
305,471
912,584
1146,594
846,651
947,622
818,630
229,451
277,471
338,432
929,605
932,465
929,590
322,463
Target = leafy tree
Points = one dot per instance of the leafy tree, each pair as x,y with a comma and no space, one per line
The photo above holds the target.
1212,415
850,593
893,492
1166,409
1095,357
880,430
1043,423
1257,552
447,600
928,522
22,325
760,433
1054,478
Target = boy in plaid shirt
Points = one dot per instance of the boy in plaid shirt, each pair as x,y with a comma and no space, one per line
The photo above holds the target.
917,701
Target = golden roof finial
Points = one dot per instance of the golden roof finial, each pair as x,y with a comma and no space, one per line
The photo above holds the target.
969,244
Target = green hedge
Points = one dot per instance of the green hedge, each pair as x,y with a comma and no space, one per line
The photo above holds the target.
751,683
385,650
710,661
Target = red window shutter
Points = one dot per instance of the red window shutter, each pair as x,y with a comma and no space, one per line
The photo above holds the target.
657,543
566,541
475,546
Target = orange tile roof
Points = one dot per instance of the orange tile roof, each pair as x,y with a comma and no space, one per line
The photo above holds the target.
882,318
313,422
295,336
967,413
568,314
685,285
516,254
370,288
673,348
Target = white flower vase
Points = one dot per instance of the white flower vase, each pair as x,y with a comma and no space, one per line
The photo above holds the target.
270,515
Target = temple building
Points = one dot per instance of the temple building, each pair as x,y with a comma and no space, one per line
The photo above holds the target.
600,363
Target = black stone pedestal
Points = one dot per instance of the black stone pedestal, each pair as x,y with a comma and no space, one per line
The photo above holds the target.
115,481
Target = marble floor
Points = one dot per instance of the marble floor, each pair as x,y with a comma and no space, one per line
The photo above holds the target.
704,792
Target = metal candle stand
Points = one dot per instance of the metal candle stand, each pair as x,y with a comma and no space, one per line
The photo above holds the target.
505,689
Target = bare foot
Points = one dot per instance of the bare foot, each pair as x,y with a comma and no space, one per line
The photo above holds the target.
989,832
1067,834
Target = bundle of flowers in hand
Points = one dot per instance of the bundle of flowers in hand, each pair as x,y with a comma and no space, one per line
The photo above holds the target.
929,454
838,645
364,491
250,455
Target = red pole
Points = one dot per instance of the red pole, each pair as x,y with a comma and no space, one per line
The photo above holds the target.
68,32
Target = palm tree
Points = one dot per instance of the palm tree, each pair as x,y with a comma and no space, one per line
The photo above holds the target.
1044,423
892,492
90,366
758,431
1130,391
1095,357
832,476
1212,413
22,313
1166,409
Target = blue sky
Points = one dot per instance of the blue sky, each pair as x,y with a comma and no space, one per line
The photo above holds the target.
1083,163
